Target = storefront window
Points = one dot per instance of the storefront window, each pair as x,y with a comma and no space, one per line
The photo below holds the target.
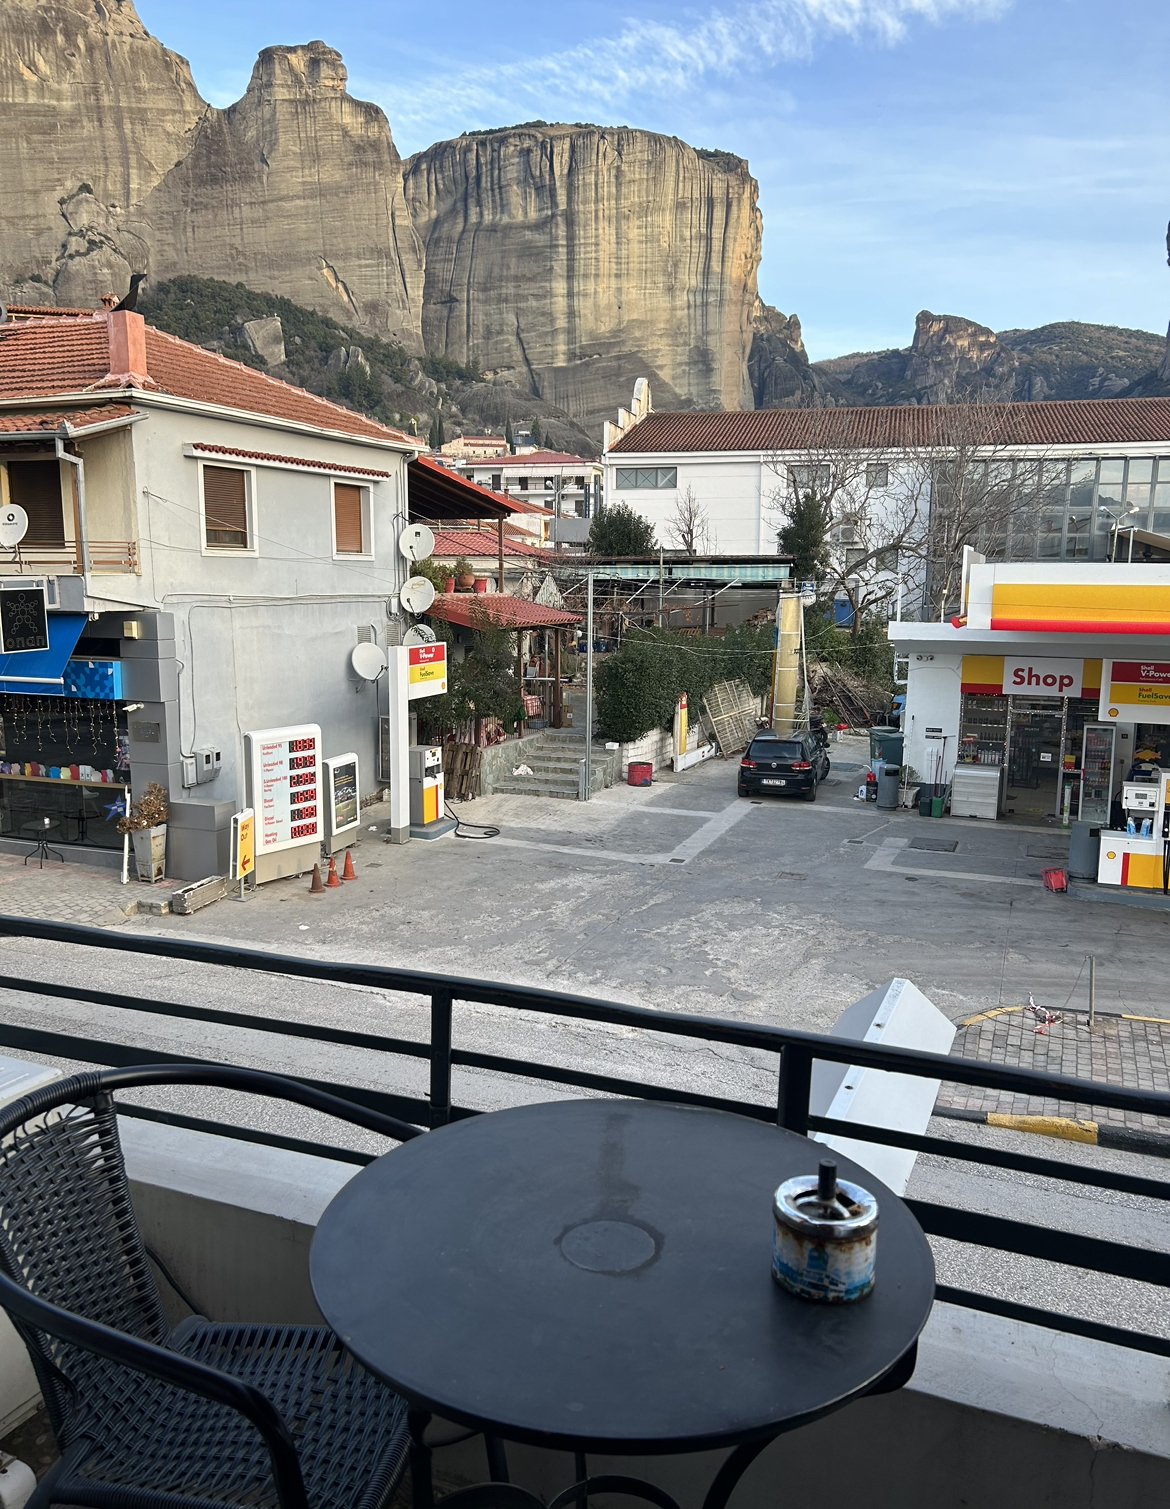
64,759
982,729
1078,541
1160,522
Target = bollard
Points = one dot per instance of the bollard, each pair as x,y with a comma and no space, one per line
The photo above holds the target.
1092,989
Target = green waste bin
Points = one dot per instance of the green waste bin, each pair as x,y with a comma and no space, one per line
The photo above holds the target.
886,744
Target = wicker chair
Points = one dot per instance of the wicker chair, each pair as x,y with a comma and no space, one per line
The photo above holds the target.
206,1416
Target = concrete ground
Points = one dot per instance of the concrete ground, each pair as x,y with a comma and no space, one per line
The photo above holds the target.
679,897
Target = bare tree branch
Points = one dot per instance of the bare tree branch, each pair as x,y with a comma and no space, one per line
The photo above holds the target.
690,528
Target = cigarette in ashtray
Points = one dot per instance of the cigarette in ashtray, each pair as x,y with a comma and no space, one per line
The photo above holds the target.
824,1243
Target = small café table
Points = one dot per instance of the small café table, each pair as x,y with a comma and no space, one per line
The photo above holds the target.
595,1276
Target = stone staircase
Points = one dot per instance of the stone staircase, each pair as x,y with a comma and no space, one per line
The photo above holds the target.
555,758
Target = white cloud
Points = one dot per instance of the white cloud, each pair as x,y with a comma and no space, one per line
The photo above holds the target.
652,58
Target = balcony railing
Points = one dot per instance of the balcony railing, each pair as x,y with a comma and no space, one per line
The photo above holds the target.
795,1053
107,556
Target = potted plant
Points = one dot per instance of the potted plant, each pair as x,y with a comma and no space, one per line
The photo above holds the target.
464,574
146,822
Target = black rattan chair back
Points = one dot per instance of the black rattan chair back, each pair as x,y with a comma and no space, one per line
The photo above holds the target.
68,1234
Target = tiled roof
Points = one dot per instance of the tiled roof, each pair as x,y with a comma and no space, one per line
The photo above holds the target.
1094,421
500,610
548,458
43,357
320,466
48,420
46,312
480,542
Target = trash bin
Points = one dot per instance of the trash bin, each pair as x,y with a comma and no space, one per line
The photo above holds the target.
889,779
885,744
1083,850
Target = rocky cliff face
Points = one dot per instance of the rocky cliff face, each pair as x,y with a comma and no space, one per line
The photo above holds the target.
953,359
779,370
297,189
95,112
575,259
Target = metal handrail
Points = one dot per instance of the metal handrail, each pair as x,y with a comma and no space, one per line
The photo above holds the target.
796,1052
104,555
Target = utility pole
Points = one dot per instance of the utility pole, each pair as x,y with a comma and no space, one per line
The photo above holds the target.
589,686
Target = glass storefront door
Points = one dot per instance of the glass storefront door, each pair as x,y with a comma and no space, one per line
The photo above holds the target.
1033,756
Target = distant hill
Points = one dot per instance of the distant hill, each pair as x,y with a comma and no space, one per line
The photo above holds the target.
953,359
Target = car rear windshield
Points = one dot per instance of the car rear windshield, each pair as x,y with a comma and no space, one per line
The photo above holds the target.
777,749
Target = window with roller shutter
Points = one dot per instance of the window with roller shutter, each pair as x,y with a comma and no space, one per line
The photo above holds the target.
348,533
36,486
225,508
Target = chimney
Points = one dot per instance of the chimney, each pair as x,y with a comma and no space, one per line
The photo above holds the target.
127,338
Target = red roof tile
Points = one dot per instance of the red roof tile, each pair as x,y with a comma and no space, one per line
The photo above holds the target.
45,357
321,466
1094,421
548,458
454,542
48,420
500,610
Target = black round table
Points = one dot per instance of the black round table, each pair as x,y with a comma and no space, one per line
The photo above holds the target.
595,1275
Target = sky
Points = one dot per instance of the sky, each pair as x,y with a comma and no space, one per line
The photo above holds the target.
1006,160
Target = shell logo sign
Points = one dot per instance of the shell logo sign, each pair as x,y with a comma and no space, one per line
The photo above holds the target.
427,673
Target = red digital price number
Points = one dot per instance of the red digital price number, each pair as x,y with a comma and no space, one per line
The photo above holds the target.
303,830
295,746
303,762
299,813
306,778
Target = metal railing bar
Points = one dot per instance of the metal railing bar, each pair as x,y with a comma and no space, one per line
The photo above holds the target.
629,1088
123,1056
1024,1163
551,1003
1052,1320
1070,1248
378,1044
245,1134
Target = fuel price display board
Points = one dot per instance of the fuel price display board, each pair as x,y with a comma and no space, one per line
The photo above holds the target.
284,767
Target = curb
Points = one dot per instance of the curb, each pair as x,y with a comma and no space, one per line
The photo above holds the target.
1097,1133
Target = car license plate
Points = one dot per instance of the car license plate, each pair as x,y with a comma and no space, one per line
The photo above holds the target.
766,781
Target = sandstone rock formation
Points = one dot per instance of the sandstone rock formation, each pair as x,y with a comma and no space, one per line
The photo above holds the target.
954,359
779,370
574,259
95,111
297,189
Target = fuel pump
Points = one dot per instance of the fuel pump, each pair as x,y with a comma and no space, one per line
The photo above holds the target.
1139,855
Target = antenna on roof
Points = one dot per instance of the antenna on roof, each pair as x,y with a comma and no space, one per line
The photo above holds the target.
131,299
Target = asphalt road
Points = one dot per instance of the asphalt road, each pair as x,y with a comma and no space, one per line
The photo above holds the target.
680,898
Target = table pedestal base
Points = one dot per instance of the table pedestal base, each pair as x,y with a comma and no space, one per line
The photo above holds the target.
501,1494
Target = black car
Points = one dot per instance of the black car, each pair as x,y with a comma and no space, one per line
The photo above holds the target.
783,765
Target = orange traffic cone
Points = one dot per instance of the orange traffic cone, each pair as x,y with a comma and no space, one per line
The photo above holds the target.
334,879
348,872
316,889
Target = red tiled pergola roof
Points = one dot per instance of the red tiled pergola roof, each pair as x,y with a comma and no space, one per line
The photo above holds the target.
455,542
501,611
1094,421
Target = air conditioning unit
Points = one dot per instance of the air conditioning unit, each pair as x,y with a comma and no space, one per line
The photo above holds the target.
847,534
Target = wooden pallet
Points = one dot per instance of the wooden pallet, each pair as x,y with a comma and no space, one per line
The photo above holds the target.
461,771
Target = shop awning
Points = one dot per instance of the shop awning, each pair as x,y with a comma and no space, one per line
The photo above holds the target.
43,671
436,494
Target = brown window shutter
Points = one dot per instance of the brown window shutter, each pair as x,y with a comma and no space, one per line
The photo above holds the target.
347,518
225,506
36,486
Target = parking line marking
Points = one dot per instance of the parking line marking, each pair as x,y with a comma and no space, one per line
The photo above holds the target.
884,860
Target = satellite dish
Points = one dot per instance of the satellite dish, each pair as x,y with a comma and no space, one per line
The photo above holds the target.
13,525
417,595
419,634
368,661
416,542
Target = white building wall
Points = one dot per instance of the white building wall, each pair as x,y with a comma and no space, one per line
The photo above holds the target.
933,700
263,639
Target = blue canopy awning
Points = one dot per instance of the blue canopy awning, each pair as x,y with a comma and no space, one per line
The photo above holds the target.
43,671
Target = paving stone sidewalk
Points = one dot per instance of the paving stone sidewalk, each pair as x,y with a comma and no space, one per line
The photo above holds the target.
1120,1050
73,892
